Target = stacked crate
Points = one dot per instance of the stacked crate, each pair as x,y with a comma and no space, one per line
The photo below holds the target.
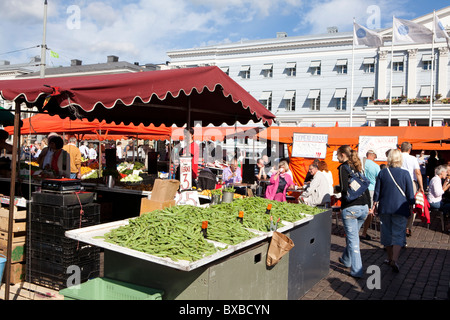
53,260
18,241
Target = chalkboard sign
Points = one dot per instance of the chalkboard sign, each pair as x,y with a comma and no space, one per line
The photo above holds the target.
308,145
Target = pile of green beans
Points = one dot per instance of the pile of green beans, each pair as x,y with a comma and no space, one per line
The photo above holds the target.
175,232
164,233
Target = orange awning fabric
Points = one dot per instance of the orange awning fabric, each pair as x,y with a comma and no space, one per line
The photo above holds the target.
337,136
299,166
350,135
216,133
45,123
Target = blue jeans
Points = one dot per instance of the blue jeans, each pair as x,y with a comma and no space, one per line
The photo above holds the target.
442,206
73,175
353,217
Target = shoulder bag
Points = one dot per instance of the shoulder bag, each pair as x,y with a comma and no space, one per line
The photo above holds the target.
357,184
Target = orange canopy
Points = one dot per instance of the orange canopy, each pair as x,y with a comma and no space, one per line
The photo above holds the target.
337,136
44,124
350,135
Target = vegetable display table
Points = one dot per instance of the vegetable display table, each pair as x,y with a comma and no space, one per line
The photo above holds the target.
238,272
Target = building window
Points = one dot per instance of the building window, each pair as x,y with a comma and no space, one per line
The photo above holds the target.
268,70
369,65
341,66
266,100
367,95
314,100
426,62
397,92
397,63
425,91
245,72
340,95
289,97
315,68
291,69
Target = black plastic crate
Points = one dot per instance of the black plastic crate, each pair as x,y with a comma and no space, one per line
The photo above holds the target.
56,275
78,253
50,233
63,199
69,218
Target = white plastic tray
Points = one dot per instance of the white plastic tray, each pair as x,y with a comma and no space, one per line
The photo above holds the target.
93,235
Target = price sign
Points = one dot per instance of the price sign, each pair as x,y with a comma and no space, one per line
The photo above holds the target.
306,145
379,144
185,173
188,198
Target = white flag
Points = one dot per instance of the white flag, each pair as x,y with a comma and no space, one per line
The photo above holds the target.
364,36
410,32
439,30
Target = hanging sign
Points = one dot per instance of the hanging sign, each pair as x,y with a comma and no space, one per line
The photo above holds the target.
185,173
378,144
307,145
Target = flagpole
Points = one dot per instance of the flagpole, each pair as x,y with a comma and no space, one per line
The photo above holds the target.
44,46
353,74
432,71
392,67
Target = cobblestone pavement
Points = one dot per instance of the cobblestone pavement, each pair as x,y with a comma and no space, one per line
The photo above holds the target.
424,267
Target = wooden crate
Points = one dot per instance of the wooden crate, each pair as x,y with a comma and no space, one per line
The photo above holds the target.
19,223
18,247
17,272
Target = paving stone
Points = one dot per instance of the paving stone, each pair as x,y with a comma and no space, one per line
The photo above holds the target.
424,272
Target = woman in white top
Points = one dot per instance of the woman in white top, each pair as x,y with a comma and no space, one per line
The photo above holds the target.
92,153
324,168
436,189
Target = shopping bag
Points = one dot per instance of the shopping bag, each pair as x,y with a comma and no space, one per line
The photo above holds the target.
279,246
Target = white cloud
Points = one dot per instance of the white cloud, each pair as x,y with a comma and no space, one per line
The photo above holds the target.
340,13
144,30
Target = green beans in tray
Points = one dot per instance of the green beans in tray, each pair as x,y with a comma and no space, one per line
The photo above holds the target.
175,232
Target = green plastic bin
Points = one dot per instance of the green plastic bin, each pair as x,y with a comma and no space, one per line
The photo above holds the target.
109,289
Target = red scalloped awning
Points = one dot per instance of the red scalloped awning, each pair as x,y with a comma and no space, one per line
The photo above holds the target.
153,97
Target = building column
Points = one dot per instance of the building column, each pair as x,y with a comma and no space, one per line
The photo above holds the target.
412,66
442,87
382,71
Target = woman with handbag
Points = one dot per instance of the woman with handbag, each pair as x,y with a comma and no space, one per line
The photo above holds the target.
354,211
392,199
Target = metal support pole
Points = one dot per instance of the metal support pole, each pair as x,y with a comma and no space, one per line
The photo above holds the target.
12,198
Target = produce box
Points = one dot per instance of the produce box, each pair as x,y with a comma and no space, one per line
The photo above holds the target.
148,205
18,248
17,272
162,196
164,190
108,289
19,223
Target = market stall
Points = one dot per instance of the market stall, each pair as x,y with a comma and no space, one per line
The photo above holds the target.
228,260
421,138
162,97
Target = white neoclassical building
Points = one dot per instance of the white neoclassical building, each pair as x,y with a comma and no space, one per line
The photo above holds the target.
314,81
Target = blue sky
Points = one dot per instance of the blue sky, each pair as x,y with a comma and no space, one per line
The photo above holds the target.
144,30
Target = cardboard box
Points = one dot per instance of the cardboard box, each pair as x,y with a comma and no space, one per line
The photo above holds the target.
17,273
18,249
164,189
148,205
162,196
